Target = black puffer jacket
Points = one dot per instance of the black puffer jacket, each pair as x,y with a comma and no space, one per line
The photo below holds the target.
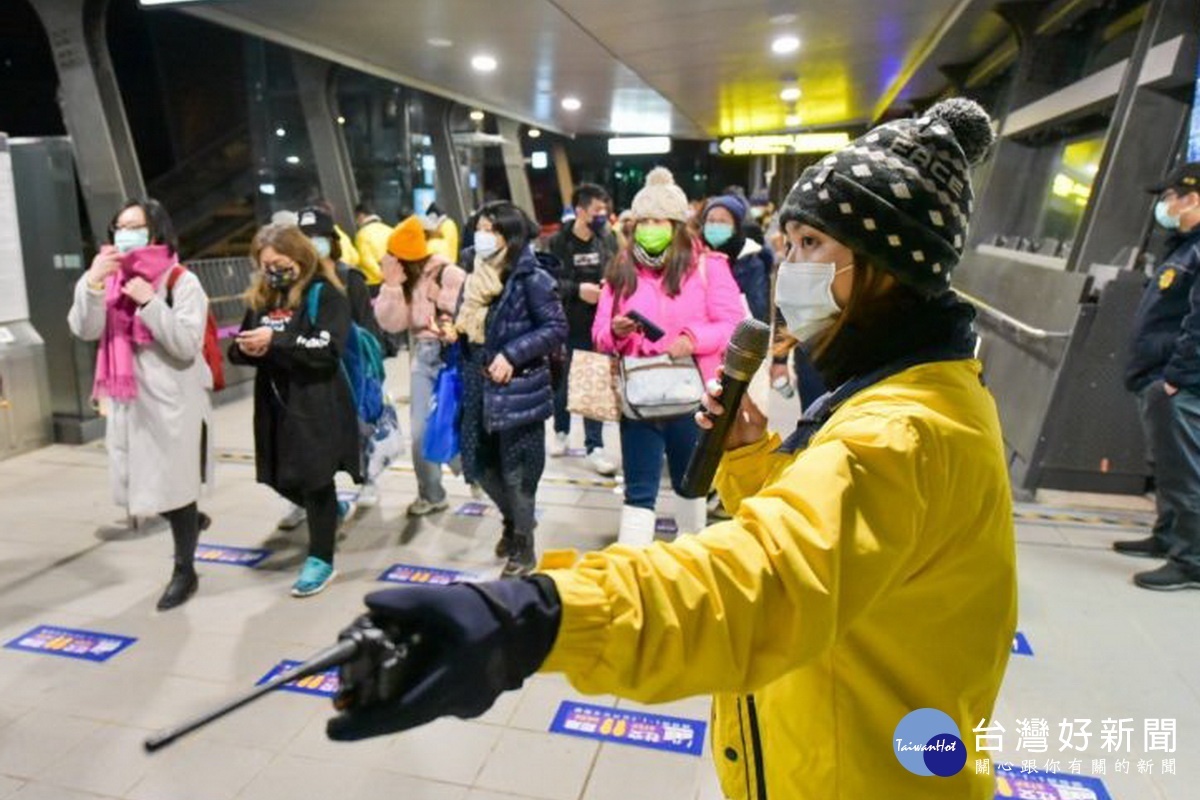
305,425
527,324
1166,332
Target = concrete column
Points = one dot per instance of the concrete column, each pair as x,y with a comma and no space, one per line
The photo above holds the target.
314,82
92,110
1142,136
562,170
514,166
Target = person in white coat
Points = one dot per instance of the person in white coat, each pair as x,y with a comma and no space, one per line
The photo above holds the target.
150,369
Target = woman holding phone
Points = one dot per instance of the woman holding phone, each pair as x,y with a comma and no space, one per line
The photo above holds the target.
687,304
305,424
149,367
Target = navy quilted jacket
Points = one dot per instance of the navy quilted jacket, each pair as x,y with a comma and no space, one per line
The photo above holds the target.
526,323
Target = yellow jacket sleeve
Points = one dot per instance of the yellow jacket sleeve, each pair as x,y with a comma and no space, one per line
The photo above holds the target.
349,251
368,257
750,599
744,471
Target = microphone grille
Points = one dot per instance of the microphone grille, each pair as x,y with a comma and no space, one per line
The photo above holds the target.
748,347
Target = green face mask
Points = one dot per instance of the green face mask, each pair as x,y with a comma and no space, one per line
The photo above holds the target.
654,239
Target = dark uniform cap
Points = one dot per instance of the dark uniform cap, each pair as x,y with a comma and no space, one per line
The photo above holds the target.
1185,178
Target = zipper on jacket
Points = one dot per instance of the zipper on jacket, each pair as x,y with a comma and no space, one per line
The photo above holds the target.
756,743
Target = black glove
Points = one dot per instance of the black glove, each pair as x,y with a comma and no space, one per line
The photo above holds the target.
472,641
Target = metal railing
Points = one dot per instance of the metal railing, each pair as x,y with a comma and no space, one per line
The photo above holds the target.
1010,321
225,281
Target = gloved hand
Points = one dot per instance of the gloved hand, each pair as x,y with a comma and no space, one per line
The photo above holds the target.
473,641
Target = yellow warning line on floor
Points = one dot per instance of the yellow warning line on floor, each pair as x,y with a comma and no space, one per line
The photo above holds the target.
1078,518
235,457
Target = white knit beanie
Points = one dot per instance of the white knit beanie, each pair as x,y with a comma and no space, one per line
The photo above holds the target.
660,198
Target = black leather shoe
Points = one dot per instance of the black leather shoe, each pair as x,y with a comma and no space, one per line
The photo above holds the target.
182,586
1149,547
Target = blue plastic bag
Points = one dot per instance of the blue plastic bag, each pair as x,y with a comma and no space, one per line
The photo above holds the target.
442,443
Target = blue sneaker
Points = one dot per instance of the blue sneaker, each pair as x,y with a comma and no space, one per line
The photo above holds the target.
315,575
346,510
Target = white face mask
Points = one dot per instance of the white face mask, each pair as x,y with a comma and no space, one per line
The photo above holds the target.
127,239
486,244
804,295
323,245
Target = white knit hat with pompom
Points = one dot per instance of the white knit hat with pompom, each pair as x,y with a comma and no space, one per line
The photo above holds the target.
660,198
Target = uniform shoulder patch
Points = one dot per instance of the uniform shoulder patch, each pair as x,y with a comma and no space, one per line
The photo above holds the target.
1166,278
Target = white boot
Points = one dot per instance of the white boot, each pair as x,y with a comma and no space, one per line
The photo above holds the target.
637,526
691,514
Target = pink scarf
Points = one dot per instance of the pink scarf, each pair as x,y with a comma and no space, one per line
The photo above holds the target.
115,375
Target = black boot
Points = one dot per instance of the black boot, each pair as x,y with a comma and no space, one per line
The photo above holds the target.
182,586
504,546
521,558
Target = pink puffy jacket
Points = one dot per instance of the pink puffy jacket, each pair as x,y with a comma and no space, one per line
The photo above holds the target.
708,307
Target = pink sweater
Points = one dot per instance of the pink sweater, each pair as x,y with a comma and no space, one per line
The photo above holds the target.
394,313
707,308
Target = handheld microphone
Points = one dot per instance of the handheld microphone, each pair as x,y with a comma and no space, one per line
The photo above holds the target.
747,350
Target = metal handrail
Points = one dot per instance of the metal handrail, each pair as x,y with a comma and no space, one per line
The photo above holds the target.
1011,321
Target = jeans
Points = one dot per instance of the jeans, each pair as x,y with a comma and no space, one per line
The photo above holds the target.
593,429
426,360
642,448
1172,427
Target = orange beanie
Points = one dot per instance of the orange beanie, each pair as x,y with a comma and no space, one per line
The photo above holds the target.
407,241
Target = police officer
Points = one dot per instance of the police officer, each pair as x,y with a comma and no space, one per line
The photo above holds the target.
1164,372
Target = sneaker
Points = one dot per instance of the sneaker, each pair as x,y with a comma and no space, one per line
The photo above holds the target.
476,491
601,463
293,519
504,546
559,448
315,575
368,495
182,586
1169,577
346,511
1150,547
423,508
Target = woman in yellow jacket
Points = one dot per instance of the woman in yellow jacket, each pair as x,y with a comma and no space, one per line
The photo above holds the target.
869,569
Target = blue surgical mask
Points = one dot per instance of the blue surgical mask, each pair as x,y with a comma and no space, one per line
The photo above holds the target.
323,245
1163,217
126,239
486,244
717,233
804,295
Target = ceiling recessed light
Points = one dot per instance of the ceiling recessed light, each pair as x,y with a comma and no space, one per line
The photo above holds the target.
534,133
438,41
293,159
341,120
784,45
476,116
280,132
790,95
482,63
571,103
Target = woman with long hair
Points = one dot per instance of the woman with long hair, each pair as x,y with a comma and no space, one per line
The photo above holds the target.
305,424
512,321
854,618
667,277
149,315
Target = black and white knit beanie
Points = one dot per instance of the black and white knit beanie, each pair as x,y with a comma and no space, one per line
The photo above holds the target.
901,194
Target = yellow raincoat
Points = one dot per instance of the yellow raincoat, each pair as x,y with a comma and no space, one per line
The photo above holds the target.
371,241
867,576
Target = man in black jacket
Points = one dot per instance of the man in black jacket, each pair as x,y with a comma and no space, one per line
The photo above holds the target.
584,248
1164,372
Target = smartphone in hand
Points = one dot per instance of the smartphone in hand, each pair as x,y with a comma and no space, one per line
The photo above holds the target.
652,331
